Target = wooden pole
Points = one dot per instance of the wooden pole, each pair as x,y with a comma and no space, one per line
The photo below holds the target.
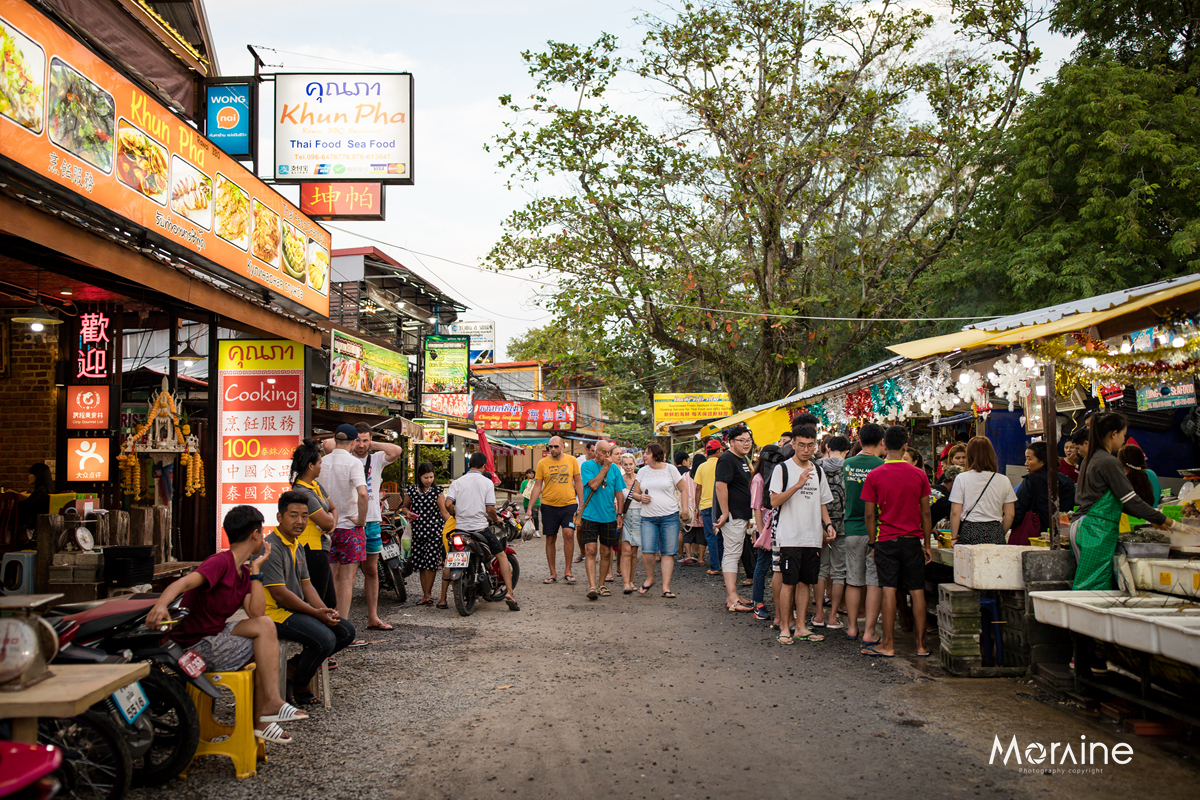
1049,420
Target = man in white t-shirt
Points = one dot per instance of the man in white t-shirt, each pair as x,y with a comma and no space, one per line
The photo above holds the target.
345,483
374,456
800,493
471,500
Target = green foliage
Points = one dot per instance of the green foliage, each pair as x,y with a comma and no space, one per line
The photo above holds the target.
813,158
630,434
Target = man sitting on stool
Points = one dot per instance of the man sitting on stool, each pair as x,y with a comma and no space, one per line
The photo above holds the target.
294,604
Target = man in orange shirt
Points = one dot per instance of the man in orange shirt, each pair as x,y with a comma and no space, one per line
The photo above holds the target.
559,485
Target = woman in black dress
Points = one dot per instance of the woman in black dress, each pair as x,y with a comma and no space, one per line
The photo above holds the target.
37,502
425,508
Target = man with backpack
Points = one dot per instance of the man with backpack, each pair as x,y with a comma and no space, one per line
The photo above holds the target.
800,494
833,553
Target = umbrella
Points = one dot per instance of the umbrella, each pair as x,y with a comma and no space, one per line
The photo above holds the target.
486,449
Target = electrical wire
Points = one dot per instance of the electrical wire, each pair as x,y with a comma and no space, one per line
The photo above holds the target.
322,58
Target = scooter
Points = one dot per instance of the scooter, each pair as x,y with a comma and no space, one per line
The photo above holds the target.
475,572
394,556
27,771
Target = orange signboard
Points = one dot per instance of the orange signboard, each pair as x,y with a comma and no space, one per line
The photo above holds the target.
73,120
87,408
342,200
87,459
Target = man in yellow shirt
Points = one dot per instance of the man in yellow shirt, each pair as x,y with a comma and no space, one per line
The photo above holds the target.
559,484
706,478
293,602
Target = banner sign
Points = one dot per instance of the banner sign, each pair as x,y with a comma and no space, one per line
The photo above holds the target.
87,408
227,112
260,391
446,365
77,123
359,366
672,408
1152,398
483,339
457,406
87,459
524,415
344,127
433,432
357,201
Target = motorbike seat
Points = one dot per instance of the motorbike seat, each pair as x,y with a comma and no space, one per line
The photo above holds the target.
109,615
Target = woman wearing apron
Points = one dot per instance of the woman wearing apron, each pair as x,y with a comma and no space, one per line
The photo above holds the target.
1102,493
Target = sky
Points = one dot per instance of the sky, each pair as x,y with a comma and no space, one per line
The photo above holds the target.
463,55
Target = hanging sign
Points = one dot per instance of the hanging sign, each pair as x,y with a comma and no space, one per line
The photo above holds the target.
359,366
87,459
457,406
483,339
524,415
227,117
357,201
433,432
344,127
91,356
447,365
74,122
87,408
1159,398
672,408
260,391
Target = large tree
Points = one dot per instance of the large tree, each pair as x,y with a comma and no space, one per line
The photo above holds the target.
793,160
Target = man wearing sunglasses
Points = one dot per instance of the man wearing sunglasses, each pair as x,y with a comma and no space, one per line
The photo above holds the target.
559,484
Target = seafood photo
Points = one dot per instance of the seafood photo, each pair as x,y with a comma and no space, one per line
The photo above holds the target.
141,163
266,234
82,116
22,78
191,193
233,212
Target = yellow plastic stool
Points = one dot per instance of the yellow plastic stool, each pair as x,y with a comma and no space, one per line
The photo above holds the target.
240,745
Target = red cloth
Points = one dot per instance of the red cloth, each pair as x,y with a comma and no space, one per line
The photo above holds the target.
896,489
1065,468
210,606
486,449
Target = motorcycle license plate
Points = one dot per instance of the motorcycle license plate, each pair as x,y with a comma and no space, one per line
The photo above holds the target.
458,560
192,663
131,701
390,551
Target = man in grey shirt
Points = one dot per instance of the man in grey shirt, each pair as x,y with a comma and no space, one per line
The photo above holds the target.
471,500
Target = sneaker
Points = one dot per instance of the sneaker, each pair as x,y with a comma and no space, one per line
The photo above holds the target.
760,612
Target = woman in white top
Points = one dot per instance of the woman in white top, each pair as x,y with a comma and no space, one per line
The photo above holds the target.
986,495
660,516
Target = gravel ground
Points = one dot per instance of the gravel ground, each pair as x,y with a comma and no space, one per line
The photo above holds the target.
645,697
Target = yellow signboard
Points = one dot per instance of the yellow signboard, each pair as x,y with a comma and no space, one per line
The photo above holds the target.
243,355
672,408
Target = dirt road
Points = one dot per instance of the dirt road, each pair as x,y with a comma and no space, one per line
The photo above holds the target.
646,697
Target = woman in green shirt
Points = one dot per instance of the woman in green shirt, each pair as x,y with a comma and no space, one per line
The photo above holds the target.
525,490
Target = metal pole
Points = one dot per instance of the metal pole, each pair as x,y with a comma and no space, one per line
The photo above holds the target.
1050,414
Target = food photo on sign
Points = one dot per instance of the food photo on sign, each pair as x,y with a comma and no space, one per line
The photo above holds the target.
447,366
359,366
433,432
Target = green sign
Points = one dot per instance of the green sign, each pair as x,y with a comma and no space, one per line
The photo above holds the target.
359,366
433,432
447,365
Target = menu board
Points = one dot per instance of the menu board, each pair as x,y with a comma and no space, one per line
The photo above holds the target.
260,384
73,120
433,432
447,365
524,415
359,366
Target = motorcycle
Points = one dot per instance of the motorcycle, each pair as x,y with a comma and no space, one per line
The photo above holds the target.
116,629
475,572
393,559
26,771
510,518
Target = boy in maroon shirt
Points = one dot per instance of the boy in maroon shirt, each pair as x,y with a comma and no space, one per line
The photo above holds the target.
212,593
896,513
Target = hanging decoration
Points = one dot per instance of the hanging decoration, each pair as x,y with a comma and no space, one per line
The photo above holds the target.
934,392
1086,363
1012,379
973,390
835,412
858,405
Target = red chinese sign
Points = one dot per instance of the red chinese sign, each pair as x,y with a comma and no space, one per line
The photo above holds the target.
91,360
87,408
524,415
260,388
342,200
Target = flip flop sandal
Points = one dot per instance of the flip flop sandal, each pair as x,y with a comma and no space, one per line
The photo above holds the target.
629,591
669,595
592,594
273,733
818,624
548,580
286,713
811,637
926,654
359,643
871,644
512,604
871,651
306,698
383,627
443,605
332,664
569,579
785,640
643,589
604,592
427,602
852,638
713,572
738,606
579,560
835,626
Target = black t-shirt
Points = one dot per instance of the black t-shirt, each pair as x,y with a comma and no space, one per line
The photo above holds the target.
733,471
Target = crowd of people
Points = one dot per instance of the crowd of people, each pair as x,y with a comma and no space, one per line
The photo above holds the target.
842,528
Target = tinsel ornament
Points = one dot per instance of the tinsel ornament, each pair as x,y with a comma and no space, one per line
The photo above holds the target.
1012,379
1084,364
858,405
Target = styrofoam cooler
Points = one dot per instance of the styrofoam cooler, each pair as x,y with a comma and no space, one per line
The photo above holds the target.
990,566
1168,575
16,572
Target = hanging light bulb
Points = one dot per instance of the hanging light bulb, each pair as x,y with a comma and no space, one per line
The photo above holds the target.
1028,362
1178,341
1126,346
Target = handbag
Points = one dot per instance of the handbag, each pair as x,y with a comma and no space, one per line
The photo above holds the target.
763,542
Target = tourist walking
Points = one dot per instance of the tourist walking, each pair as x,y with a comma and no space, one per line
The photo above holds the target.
986,495
601,521
862,580
768,555
374,456
695,545
731,502
346,483
526,493
559,486
631,530
661,512
425,507
833,552
706,479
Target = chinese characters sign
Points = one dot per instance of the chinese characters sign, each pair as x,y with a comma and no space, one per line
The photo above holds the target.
91,359
87,459
342,200
363,367
672,408
524,415
260,387
446,365
87,408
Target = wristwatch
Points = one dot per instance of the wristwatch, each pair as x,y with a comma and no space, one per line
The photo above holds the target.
871,545
258,576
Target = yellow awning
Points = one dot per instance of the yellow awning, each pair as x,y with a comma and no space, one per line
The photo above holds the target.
766,425
464,433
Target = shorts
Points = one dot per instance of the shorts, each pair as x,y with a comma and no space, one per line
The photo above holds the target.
660,534
695,535
799,565
374,538
860,565
603,532
833,559
733,532
901,564
224,651
349,546
555,517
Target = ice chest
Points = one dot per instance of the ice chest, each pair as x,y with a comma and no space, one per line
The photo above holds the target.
989,566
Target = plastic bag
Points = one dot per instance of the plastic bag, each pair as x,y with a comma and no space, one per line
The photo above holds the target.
528,531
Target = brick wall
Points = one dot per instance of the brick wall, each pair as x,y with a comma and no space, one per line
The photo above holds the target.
28,401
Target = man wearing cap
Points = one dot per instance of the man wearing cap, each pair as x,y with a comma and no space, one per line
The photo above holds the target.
706,479
345,482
